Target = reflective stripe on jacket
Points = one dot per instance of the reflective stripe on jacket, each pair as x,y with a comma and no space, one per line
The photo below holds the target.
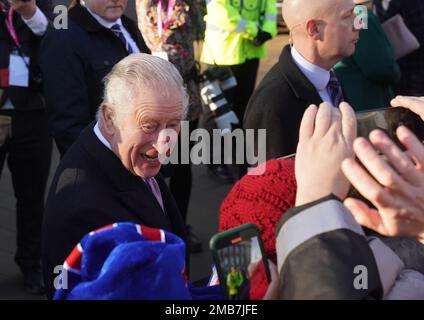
231,25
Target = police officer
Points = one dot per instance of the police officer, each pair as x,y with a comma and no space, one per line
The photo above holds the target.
236,31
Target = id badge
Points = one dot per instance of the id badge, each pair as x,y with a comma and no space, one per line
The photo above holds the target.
161,54
5,128
18,70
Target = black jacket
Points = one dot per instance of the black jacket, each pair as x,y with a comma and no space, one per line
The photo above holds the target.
278,104
74,62
324,260
91,189
23,99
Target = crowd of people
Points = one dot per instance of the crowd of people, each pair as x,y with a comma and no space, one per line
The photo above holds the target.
106,88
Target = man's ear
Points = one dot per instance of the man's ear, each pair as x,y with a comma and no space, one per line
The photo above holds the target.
108,119
313,29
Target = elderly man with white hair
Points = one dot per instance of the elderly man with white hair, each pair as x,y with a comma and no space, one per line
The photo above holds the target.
111,173
322,33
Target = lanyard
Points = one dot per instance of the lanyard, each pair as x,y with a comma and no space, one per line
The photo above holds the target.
165,25
14,35
11,28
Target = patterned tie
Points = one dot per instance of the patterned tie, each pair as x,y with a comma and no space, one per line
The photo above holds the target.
335,89
154,188
116,28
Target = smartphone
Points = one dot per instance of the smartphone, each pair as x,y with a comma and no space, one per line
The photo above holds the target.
388,120
240,261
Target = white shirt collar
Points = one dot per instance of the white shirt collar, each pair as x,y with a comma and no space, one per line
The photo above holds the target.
102,21
101,137
318,76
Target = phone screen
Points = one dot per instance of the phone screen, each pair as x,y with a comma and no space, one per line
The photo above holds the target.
389,120
243,268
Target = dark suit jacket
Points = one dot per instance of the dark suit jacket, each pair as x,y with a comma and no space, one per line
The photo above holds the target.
23,99
74,62
278,104
91,189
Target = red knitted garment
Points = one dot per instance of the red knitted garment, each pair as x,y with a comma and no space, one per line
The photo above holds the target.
262,200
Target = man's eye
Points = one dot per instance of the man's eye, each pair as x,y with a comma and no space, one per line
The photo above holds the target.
174,125
149,127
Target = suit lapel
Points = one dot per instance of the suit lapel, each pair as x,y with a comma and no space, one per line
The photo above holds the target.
301,86
145,207
133,31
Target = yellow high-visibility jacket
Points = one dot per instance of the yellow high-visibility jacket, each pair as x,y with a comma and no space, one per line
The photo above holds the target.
231,25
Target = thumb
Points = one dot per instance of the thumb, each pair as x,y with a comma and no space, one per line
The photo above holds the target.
365,216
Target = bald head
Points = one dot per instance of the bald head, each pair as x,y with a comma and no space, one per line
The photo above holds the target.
296,12
322,31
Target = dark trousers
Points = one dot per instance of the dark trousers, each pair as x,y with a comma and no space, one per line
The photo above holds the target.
28,152
245,74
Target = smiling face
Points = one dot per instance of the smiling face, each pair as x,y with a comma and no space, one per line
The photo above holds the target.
110,10
136,138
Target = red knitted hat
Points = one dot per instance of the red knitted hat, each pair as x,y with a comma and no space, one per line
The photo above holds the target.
262,200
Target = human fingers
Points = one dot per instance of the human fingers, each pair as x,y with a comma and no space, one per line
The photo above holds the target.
366,185
307,124
323,119
414,146
415,104
396,157
349,123
365,216
377,167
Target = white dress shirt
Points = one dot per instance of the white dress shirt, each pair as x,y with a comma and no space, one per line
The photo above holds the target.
318,76
101,137
38,24
108,25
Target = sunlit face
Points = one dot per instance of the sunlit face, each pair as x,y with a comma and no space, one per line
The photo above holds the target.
137,140
340,34
110,10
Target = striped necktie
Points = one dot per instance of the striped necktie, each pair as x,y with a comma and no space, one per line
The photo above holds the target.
116,28
335,90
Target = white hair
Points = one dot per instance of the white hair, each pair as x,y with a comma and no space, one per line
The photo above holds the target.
130,77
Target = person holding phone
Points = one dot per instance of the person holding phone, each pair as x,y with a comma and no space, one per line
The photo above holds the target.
24,138
333,237
395,188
